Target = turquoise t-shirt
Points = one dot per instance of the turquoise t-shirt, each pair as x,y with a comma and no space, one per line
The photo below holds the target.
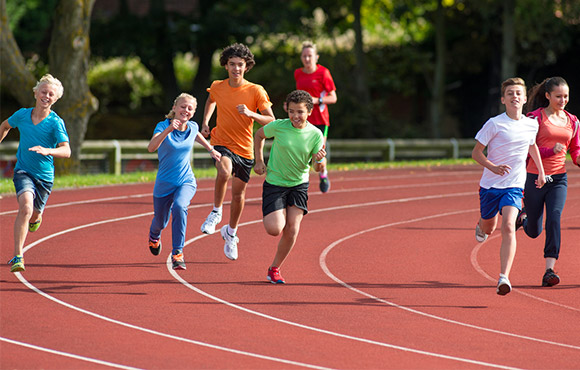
50,132
291,153
174,155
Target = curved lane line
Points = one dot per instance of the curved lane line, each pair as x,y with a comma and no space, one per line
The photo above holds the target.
324,331
169,336
25,282
66,354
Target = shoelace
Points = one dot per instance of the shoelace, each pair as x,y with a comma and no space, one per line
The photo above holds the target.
15,259
178,257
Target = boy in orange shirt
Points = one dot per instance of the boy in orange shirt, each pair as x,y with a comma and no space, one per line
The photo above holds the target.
239,103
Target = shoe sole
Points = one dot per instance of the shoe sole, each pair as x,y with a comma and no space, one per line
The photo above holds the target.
551,282
503,289
179,268
276,281
17,269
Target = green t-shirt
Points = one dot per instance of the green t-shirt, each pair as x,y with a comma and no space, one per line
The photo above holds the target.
291,153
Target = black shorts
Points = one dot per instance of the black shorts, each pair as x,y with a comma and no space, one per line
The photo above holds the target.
241,167
280,197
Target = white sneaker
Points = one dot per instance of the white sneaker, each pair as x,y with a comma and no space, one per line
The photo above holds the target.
480,236
213,219
503,286
231,244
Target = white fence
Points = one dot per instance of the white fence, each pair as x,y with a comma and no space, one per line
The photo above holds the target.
114,152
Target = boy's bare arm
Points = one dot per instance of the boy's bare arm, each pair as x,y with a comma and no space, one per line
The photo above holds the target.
259,138
4,128
479,157
263,118
535,154
208,110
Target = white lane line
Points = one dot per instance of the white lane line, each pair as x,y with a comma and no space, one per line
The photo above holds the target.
161,334
481,271
250,311
136,196
67,354
327,332
322,262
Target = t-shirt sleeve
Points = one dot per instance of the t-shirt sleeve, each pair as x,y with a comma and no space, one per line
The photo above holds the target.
328,81
60,134
17,117
263,99
270,128
161,126
486,133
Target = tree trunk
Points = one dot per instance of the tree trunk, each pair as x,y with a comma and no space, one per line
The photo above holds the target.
508,59
360,77
68,54
438,92
14,76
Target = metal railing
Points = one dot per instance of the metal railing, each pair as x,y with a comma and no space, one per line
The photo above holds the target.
114,152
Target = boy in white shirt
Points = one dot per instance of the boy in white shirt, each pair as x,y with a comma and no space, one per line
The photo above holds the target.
509,138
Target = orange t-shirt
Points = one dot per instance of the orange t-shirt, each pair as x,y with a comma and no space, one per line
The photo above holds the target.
548,135
234,130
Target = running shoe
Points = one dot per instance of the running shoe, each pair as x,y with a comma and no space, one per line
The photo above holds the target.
33,226
324,184
480,236
155,246
178,262
274,276
521,218
503,286
213,219
550,278
231,244
17,264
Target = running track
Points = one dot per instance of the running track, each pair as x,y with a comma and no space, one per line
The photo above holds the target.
386,274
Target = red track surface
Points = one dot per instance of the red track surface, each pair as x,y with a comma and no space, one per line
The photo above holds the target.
386,274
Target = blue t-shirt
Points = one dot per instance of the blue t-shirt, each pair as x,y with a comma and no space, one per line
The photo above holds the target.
50,132
174,155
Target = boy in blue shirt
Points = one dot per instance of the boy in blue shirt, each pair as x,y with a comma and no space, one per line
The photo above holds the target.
43,137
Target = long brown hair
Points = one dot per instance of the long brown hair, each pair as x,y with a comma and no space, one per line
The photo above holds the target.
537,95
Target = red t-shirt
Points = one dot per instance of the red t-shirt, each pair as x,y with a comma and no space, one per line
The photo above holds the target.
318,83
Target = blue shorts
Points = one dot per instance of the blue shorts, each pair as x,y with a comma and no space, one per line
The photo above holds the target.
492,200
24,182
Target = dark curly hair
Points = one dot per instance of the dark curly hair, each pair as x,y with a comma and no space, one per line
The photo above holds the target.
240,51
300,96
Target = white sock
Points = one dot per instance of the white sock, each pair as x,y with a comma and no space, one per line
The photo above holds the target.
217,209
503,275
231,231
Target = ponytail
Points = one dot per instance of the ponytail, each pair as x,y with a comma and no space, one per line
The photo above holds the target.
537,95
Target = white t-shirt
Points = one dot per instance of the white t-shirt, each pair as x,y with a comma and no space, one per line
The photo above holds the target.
508,142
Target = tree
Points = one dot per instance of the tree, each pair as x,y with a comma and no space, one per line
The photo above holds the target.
68,55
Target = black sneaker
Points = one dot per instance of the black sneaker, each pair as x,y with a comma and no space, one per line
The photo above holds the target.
521,218
155,247
178,262
550,278
324,184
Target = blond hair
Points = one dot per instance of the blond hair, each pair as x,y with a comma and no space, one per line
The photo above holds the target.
309,44
171,113
49,79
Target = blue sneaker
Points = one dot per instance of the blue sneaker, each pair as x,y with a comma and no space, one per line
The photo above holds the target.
17,264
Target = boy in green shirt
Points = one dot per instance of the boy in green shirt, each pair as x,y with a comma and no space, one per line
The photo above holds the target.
285,190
